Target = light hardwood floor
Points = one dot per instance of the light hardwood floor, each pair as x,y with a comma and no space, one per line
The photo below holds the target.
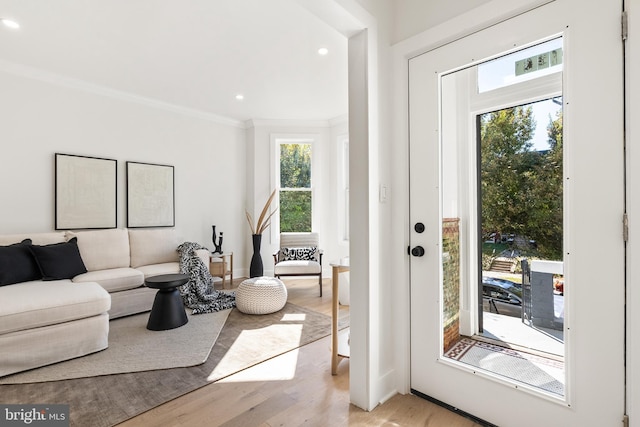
293,389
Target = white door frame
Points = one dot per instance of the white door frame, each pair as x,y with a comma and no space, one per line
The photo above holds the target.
632,98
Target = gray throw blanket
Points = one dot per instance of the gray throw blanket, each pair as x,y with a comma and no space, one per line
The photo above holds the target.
198,294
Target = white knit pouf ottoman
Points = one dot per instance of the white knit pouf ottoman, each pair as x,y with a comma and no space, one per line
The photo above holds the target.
261,295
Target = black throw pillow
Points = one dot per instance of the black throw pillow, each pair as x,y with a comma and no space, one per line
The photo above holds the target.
17,264
59,260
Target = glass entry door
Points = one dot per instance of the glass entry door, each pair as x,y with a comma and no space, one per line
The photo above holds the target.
486,190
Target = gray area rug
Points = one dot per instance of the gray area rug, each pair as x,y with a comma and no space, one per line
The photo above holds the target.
111,399
134,348
540,372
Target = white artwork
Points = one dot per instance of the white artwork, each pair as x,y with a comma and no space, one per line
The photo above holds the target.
85,192
150,195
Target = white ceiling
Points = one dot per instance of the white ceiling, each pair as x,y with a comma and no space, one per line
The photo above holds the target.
195,54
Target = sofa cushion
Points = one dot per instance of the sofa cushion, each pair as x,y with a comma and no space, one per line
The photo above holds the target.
17,264
205,256
103,249
59,260
157,269
36,238
132,301
155,246
297,267
298,240
32,348
113,279
37,303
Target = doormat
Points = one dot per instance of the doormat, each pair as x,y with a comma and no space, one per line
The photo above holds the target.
536,371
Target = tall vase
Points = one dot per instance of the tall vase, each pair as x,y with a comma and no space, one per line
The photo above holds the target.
256,269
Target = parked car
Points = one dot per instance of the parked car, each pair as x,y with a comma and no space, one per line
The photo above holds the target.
501,296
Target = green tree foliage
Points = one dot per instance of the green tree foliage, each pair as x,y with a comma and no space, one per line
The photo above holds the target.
505,168
295,166
295,211
521,189
295,173
546,195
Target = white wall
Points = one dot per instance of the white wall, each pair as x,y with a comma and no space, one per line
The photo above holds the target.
42,118
260,159
374,374
412,17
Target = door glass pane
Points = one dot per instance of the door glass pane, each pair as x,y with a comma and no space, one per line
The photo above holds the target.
517,67
502,222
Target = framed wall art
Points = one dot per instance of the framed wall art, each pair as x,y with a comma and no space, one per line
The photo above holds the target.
85,192
150,195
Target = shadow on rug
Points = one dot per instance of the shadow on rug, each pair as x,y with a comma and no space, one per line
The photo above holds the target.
244,341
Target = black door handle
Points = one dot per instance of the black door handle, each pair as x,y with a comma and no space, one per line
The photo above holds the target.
417,251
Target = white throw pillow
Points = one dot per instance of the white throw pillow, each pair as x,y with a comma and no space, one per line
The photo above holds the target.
154,246
102,249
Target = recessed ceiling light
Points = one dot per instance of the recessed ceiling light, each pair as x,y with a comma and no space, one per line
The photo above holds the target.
323,51
10,23
239,97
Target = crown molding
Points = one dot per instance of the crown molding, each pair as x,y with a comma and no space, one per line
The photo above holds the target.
81,85
340,120
255,123
286,123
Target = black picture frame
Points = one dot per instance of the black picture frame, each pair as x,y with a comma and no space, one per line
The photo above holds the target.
86,192
150,195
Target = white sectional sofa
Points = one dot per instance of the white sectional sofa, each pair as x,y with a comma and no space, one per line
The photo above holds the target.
56,318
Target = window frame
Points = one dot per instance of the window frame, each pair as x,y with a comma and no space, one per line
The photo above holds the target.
343,188
276,141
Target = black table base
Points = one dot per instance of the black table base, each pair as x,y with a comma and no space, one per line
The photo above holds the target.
167,312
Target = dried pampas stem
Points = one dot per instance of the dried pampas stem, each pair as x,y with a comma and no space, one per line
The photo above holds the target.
264,220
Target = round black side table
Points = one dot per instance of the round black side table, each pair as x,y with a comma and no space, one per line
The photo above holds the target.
168,309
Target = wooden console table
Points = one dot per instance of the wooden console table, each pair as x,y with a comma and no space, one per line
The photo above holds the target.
339,340
220,267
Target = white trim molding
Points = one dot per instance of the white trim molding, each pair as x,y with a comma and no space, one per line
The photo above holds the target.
81,85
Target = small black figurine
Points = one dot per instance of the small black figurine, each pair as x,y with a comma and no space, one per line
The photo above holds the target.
217,244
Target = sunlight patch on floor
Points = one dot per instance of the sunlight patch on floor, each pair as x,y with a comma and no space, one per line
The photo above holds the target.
279,368
274,338
294,317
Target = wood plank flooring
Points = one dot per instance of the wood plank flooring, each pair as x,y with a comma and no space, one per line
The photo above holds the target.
294,389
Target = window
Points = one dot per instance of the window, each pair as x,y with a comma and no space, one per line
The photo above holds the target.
502,182
294,177
523,65
343,188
